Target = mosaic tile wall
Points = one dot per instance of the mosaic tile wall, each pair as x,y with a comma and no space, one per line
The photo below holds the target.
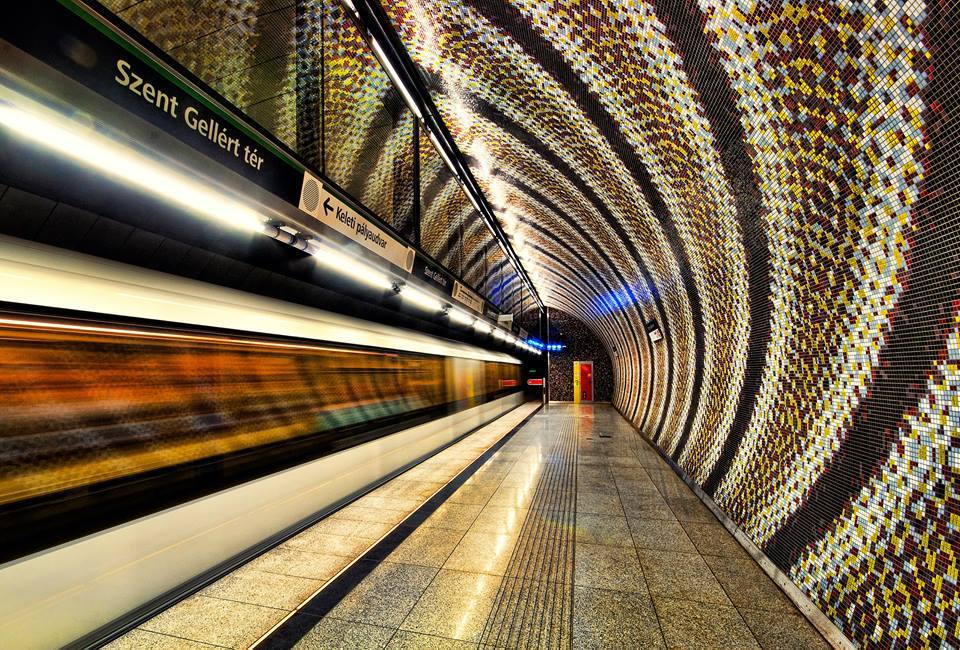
303,72
774,186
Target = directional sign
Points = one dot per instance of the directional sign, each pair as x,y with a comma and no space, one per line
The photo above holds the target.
317,201
466,297
156,90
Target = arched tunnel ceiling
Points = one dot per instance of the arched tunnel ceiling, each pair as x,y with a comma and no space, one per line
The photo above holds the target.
770,182
640,157
606,135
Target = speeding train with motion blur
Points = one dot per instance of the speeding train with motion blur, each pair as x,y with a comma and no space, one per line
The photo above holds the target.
159,426
140,455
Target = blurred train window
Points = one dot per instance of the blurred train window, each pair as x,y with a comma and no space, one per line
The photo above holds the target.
89,408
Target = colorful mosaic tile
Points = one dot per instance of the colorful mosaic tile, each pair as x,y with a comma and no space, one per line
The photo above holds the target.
771,185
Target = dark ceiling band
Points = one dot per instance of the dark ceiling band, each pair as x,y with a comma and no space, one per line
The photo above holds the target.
514,294
509,20
453,231
437,225
436,185
372,148
403,181
477,256
497,293
919,328
307,81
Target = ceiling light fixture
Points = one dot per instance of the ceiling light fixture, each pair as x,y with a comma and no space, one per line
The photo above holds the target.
395,78
421,299
85,145
460,317
350,266
443,154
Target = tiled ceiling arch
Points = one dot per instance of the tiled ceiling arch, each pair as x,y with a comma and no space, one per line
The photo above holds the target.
770,183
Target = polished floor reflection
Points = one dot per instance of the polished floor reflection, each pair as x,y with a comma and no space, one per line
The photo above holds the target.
570,531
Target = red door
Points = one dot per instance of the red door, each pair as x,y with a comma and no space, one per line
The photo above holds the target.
586,382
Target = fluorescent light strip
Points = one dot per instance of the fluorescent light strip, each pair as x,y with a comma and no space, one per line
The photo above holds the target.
482,327
475,203
461,317
443,154
420,298
351,267
85,145
503,244
395,78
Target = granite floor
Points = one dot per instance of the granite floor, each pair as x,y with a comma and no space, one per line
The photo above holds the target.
569,532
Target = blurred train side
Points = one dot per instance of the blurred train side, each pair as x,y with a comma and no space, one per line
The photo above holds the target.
155,431
84,403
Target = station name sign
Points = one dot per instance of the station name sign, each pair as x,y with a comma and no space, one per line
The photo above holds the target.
433,275
173,106
87,48
108,59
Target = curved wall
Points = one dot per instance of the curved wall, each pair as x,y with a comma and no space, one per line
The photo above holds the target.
772,184
775,184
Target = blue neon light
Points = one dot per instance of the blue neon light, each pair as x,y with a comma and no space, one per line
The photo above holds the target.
549,347
619,299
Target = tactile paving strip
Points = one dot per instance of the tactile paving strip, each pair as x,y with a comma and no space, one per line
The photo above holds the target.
534,603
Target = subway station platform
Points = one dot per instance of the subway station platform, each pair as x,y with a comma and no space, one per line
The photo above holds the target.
551,527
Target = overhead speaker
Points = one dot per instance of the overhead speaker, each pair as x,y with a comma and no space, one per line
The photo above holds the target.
310,194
